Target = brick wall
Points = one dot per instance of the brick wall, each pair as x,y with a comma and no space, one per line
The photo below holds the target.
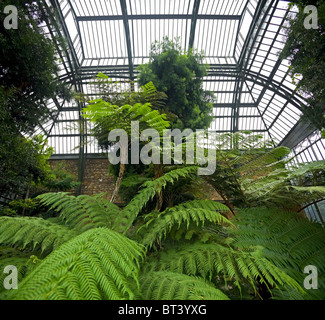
96,178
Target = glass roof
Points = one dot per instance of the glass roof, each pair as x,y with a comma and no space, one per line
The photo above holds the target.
241,41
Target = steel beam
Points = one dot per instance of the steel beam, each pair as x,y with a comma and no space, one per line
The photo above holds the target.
298,133
193,23
128,39
160,17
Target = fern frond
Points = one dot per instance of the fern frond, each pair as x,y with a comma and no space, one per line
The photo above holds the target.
211,260
287,240
34,232
152,96
112,116
99,264
83,212
198,212
146,194
269,160
307,168
25,262
175,286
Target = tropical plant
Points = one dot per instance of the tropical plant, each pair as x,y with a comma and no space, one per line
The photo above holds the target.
24,93
92,249
60,179
99,264
107,117
180,76
250,172
84,255
23,162
29,87
121,93
287,240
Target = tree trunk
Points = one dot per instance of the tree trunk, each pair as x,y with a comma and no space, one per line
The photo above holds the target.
120,175
159,194
25,200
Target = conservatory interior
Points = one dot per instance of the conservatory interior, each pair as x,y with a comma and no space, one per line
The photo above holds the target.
162,150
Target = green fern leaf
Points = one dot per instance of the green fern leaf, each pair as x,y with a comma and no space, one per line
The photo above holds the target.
176,286
211,260
146,194
198,212
81,213
99,264
33,232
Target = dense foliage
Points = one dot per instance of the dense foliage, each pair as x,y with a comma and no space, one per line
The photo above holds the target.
196,249
180,76
24,91
19,49
23,161
169,241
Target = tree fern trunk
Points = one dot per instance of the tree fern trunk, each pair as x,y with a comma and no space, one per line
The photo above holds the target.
159,171
228,204
121,173
26,197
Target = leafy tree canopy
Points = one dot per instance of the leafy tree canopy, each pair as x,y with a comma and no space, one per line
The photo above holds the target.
23,161
28,78
28,65
179,75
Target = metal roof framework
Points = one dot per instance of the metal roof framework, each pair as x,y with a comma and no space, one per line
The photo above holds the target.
241,41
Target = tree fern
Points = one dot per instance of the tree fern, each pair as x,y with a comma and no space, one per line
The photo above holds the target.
176,286
83,212
197,212
289,241
98,264
290,237
263,162
211,260
24,261
36,233
108,117
289,187
250,173
150,95
146,194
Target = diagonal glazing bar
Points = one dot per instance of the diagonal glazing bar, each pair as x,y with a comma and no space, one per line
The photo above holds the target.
127,37
193,22
258,19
